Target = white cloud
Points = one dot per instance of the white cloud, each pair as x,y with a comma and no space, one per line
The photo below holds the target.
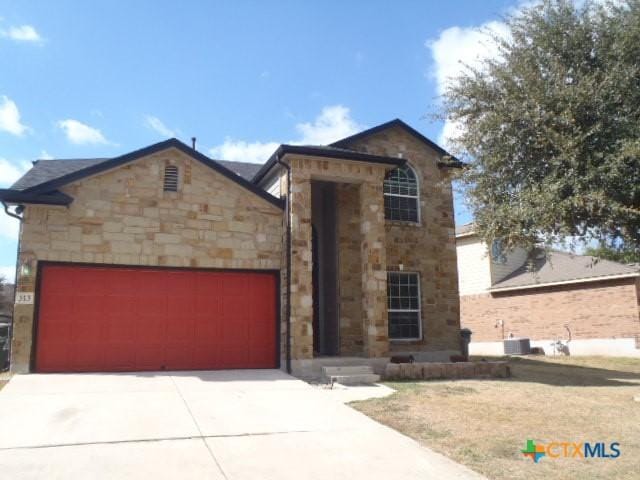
81,134
22,33
8,272
333,123
44,155
9,173
241,151
158,126
460,46
456,49
10,117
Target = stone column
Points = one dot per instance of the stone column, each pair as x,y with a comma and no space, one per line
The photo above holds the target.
374,270
301,269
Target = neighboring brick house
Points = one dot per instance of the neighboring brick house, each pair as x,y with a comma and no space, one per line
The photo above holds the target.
165,259
554,296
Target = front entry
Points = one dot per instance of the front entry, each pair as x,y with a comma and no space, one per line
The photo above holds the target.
326,326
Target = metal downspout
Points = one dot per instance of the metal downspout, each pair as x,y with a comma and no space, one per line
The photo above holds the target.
15,282
288,246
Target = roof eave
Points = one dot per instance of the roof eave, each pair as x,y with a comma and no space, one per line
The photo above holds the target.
20,197
396,122
319,152
151,149
565,282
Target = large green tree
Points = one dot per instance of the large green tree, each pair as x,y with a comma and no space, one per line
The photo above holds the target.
551,126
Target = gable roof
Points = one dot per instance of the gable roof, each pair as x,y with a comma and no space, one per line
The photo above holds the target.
48,177
327,152
245,169
562,267
397,123
47,170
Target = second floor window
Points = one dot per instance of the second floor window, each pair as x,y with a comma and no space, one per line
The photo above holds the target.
401,195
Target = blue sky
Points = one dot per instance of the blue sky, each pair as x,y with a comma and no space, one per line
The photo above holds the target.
98,79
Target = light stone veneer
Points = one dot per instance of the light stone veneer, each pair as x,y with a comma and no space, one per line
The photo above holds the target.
368,180
124,217
427,248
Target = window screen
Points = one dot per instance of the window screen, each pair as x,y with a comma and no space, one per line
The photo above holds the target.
403,304
401,195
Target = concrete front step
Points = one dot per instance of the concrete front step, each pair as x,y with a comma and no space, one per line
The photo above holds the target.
347,370
360,379
350,375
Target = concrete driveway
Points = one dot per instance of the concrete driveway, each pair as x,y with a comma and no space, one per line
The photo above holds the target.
250,424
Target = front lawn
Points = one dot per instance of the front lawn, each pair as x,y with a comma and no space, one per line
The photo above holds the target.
485,423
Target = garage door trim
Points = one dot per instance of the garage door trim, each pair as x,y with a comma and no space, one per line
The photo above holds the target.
43,263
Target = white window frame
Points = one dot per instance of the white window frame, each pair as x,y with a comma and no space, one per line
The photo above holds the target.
417,198
419,310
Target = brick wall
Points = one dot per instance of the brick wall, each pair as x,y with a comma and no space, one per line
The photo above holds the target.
593,310
124,217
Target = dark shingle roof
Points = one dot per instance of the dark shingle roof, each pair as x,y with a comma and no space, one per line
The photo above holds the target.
46,170
244,169
559,267
346,142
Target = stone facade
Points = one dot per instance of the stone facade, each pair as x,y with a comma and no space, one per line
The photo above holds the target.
124,217
366,181
428,247
369,246
349,269
602,310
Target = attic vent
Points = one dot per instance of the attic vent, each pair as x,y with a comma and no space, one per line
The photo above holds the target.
170,178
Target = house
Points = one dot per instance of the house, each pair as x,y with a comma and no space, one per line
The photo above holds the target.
590,305
164,259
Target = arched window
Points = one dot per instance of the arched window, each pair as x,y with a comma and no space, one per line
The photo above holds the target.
401,195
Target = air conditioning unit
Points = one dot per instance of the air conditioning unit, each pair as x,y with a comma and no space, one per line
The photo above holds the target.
517,346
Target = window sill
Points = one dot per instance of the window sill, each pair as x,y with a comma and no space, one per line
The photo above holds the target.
405,341
403,223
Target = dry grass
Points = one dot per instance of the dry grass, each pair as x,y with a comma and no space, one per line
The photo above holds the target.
485,423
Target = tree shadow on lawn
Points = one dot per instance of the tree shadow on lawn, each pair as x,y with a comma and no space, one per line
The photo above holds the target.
528,369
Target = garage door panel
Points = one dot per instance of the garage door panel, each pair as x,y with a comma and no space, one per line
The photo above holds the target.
150,357
121,306
88,305
118,328
127,319
121,356
59,304
88,356
59,281
55,357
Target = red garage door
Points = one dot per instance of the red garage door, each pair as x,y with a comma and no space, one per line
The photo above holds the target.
93,319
